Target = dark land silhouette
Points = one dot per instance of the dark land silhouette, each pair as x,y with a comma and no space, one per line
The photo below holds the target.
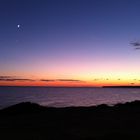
29,121
121,86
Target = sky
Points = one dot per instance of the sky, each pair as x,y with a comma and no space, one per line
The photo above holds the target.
69,42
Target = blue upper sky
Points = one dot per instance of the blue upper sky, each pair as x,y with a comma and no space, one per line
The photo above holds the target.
63,37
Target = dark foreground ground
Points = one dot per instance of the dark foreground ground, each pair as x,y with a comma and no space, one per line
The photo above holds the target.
28,121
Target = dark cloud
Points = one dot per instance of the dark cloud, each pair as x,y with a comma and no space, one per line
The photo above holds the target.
132,83
137,48
15,78
61,80
69,80
12,78
96,79
20,79
136,45
47,80
5,77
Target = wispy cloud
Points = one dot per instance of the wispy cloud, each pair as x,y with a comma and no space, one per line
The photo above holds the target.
47,80
69,80
12,78
19,78
5,77
136,45
60,80
96,79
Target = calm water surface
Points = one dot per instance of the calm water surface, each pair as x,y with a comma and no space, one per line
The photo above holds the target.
62,97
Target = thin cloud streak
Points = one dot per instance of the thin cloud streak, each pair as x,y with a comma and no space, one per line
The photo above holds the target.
136,45
69,80
61,80
13,78
5,77
16,79
47,80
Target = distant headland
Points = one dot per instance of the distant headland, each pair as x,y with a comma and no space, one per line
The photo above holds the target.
121,86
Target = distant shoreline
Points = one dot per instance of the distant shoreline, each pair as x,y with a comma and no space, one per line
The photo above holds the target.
121,87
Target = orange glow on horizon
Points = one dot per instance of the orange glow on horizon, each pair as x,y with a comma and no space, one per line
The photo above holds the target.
89,83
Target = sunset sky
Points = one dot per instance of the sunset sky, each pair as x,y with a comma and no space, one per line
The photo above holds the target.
69,42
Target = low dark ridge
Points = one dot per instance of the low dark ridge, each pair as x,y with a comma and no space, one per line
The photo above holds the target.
30,121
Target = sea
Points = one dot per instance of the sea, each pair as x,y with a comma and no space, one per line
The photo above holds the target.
67,97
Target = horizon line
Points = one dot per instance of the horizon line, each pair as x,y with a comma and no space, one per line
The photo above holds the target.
114,86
